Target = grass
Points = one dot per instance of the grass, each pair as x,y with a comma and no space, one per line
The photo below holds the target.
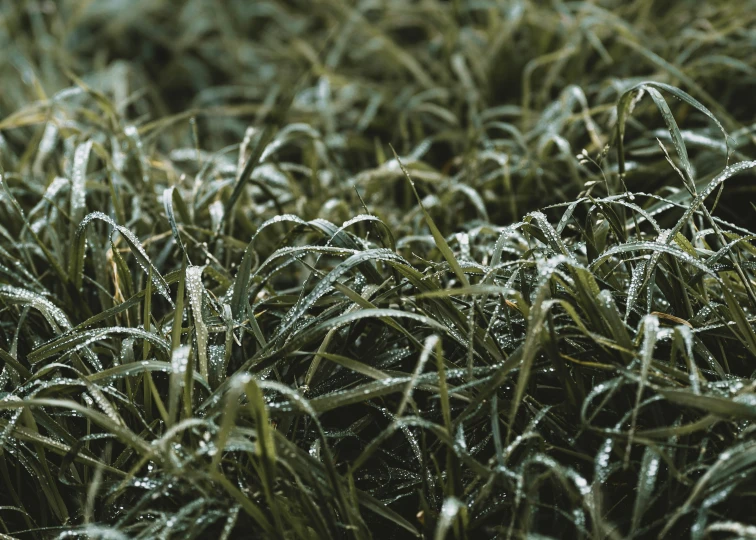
330,269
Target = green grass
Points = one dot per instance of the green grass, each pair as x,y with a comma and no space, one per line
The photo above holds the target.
352,269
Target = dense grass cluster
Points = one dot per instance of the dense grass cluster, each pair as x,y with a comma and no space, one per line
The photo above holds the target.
351,269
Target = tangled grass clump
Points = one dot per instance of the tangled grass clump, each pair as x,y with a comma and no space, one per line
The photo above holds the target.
293,269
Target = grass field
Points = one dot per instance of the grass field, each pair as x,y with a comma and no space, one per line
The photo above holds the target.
362,269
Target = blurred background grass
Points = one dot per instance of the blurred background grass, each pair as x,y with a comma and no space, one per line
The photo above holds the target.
537,78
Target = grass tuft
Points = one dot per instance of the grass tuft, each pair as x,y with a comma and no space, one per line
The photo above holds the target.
325,269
